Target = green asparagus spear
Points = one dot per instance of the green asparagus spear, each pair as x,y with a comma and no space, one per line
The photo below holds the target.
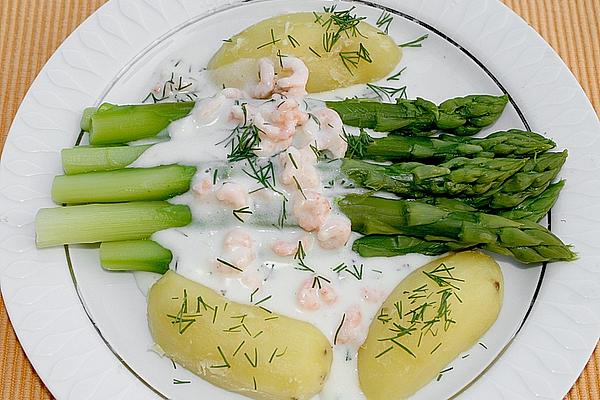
83,159
526,241
94,223
461,115
458,177
135,255
532,180
465,116
112,124
533,209
512,143
128,184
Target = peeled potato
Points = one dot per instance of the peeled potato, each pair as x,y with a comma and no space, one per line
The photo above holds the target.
238,347
401,354
302,35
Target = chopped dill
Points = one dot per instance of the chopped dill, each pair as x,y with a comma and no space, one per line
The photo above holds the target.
339,268
299,187
244,210
282,214
252,361
387,92
314,52
180,382
215,174
293,41
385,351
316,283
225,362
244,141
396,76
263,300
435,348
292,160
418,42
238,348
337,331
271,42
228,264
300,253
356,272
303,267
384,21
357,145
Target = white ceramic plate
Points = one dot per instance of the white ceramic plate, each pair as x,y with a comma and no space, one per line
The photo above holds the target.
85,330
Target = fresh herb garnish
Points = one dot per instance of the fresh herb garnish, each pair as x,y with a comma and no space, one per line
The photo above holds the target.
180,382
244,142
271,42
244,210
230,265
357,145
337,331
384,21
293,41
225,362
396,76
418,42
388,93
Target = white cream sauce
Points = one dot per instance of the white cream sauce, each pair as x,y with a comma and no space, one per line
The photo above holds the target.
331,282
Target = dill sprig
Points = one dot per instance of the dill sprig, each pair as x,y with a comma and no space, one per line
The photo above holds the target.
441,280
396,76
357,145
244,210
356,272
300,253
225,362
262,174
293,41
282,214
244,142
353,58
228,264
384,21
337,331
418,42
388,93
316,283
303,267
271,42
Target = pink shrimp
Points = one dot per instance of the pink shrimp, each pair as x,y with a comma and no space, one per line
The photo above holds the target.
350,332
294,84
234,195
284,248
266,76
311,210
203,187
334,232
238,250
311,297
298,168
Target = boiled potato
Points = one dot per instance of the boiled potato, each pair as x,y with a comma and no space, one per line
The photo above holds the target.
353,58
238,347
438,311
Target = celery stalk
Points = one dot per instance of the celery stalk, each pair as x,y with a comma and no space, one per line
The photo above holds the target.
122,124
135,255
81,159
128,184
94,223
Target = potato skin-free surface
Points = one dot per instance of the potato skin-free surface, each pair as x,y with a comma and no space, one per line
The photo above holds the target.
290,359
235,64
387,370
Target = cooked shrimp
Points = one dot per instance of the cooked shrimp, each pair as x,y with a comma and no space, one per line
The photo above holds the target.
266,76
284,248
234,195
298,168
311,297
311,211
307,296
328,294
238,250
295,84
335,232
373,295
350,332
208,110
202,187
330,136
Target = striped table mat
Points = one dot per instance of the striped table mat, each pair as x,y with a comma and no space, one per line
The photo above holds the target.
30,31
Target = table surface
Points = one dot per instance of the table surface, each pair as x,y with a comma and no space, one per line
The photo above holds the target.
30,31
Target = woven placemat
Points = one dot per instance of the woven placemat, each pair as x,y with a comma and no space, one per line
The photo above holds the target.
30,31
